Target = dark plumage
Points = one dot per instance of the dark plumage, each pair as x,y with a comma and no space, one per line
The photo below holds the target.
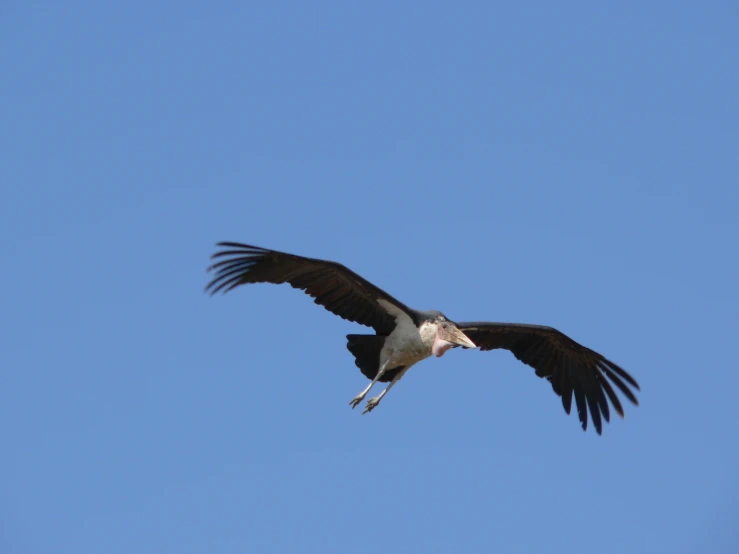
332,285
405,336
568,366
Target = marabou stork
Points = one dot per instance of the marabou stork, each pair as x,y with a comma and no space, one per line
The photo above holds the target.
404,336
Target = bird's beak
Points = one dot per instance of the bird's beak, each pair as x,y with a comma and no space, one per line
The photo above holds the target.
455,336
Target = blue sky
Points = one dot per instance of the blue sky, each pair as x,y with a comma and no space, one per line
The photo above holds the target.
572,165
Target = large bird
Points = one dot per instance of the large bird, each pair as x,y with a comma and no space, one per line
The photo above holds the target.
404,336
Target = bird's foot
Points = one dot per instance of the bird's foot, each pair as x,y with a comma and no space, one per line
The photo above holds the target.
356,400
371,404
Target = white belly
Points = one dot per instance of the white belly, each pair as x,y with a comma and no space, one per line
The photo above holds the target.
406,345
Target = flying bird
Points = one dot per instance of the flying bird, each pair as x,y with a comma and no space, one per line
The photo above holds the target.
404,336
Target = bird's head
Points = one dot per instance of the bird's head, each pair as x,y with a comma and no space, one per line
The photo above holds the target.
448,336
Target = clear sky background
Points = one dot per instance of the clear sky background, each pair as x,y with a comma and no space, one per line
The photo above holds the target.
570,164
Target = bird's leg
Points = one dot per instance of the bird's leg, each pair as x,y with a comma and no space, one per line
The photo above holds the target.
357,399
373,402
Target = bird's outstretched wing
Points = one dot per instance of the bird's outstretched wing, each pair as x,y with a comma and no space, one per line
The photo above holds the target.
567,365
332,285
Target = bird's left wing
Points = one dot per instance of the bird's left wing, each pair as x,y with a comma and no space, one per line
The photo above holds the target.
567,365
332,285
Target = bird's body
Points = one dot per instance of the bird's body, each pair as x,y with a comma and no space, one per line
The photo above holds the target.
404,336
412,342
407,344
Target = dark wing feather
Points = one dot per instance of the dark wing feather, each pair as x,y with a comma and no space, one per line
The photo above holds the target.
333,286
567,365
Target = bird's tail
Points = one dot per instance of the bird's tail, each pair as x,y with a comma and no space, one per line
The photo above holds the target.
366,350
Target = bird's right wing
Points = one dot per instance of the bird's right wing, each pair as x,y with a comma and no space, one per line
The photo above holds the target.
567,365
332,285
